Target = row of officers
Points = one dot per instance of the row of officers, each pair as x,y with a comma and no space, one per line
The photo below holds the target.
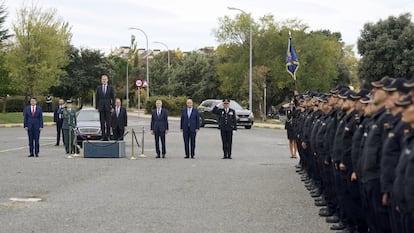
356,154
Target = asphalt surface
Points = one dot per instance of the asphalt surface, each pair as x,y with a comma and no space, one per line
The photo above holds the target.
257,191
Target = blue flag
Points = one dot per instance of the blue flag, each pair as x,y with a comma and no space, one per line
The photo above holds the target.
292,62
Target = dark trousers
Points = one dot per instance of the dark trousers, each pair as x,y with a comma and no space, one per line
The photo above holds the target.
329,189
59,131
34,134
105,118
340,190
395,217
227,139
189,142
353,204
160,135
408,222
377,215
118,133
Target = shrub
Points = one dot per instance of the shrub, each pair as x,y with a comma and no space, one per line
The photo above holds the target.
174,105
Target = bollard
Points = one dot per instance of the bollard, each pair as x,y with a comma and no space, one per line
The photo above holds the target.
142,143
132,145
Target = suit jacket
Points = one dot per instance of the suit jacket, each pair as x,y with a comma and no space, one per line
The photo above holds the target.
69,118
192,123
227,121
121,120
104,102
56,114
35,121
159,123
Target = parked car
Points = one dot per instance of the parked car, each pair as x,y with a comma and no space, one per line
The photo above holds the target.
244,116
88,125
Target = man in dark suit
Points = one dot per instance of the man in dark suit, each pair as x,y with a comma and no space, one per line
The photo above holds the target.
159,127
227,125
105,100
190,124
58,119
119,120
33,124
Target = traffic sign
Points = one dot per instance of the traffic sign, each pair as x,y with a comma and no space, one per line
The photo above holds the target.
138,83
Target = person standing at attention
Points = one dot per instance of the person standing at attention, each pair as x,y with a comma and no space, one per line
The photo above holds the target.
33,124
189,125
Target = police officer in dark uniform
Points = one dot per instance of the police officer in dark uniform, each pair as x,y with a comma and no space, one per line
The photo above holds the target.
391,152
227,125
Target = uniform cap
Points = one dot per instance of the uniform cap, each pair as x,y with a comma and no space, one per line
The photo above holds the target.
69,101
226,101
382,82
404,102
397,85
362,93
409,83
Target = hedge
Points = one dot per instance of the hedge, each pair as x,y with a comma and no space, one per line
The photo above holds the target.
174,105
17,103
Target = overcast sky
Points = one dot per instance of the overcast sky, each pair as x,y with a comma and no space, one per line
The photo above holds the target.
188,24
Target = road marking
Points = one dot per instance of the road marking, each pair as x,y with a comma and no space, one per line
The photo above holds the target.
29,199
24,147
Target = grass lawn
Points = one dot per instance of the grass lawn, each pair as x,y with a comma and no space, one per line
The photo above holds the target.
17,117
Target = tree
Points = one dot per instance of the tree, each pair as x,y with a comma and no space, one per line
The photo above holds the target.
6,88
38,53
320,54
82,74
387,48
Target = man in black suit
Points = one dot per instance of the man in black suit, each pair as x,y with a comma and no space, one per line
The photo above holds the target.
190,124
227,125
159,127
58,119
105,100
119,120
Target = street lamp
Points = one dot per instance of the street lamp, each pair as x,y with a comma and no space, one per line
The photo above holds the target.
168,59
251,51
146,37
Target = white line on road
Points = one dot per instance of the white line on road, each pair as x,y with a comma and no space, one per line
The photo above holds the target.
24,147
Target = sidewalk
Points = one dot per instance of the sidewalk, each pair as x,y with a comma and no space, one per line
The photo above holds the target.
146,116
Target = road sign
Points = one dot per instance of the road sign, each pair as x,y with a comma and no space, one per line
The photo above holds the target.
145,83
138,83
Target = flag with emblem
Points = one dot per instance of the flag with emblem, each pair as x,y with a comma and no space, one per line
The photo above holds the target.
292,62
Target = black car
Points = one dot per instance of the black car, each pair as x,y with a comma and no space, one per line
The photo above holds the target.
88,125
244,116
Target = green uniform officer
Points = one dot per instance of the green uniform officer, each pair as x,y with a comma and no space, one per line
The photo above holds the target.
68,126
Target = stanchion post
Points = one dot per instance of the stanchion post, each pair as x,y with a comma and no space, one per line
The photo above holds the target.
142,143
132,144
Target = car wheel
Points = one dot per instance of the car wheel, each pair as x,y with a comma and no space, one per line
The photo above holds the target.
248,126
202,122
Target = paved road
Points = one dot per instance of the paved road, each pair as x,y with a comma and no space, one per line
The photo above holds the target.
257,191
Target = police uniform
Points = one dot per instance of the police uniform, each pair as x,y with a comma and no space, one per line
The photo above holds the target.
68,126
227,124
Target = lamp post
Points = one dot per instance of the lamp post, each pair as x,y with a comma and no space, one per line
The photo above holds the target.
168,60
146,37
250,59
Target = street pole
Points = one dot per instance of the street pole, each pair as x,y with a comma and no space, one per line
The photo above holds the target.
264,102
250,57
147,55
127,90
168,62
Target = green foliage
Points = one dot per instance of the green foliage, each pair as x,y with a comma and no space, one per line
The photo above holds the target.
83,74
174,105
321,55
387,48
38,53
17,118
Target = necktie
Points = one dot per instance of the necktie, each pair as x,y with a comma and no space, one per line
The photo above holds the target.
117,112
60,114
189,112
33,110
104,89
158,112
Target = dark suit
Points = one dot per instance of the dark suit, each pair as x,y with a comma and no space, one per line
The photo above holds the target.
227,123
33,123
189,125
159,124
104,103
119,122
58,119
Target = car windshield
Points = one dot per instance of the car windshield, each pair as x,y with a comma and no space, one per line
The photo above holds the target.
88,116
234,105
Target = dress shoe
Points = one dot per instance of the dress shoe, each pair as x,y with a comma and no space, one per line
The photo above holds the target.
229,157
157,157
315,195
163,156
337,227
320,203
325,212
36,155
332,219
298,166
30,156
192,157
224,157
186,157
57,144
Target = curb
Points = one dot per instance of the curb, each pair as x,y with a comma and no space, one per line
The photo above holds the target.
21,125
269,126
